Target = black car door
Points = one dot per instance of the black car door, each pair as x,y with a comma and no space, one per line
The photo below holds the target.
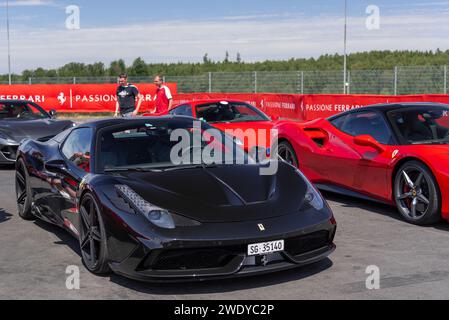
65,172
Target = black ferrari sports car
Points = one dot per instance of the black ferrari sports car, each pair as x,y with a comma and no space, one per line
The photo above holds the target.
24,119
113,184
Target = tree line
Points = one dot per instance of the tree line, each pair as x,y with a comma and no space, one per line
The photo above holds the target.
373,60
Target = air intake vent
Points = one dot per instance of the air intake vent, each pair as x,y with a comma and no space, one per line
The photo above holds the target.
9,152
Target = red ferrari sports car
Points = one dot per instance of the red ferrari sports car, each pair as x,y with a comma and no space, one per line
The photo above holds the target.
396,154
249,125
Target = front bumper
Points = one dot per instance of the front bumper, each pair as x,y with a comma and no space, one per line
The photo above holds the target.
208,260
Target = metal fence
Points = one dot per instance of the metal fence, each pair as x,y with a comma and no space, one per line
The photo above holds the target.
398,81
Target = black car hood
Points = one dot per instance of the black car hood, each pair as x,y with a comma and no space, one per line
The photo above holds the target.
18,130
221,194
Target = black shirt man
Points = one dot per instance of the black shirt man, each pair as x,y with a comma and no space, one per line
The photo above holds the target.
126,98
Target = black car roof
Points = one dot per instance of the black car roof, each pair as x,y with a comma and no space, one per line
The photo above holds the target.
386,107
99,124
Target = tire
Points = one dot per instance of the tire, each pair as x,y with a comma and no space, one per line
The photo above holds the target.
23,192
288,154
93,237
417,194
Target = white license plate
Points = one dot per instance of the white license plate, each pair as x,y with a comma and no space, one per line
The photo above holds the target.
265,248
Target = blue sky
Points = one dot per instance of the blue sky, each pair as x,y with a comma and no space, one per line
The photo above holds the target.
184,30
100,13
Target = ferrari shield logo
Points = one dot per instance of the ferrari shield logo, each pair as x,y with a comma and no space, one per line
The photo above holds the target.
261,227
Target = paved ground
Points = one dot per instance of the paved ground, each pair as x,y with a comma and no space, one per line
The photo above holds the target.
413,262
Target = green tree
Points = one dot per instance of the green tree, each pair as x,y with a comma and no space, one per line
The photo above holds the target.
239,57
96,70
117,67
27,74
73,69
206,59
226,60
373,60
138,68
39,72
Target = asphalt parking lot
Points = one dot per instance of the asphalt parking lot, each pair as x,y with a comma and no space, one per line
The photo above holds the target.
413,262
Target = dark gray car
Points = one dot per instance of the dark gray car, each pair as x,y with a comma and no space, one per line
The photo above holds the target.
21,119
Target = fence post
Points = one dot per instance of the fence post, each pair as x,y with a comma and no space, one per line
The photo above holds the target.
74,80
255,81
445,79
210,82
29,81
396,81
302,82
348,85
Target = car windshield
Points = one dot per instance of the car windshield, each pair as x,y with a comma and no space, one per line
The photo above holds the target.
229,112
422,125
21,111
166,145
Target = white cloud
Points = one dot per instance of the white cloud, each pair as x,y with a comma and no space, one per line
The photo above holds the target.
28,3
255,39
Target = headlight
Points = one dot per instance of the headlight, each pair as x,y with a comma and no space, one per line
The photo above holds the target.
312,197
157,216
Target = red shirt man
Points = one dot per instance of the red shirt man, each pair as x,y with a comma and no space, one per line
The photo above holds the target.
164,98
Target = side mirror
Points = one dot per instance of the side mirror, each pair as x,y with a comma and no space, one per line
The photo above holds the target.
56,166
52,113
368,141
275,118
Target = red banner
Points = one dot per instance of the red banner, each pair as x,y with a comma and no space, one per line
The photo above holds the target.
77,98
287,106
322,106
310,107
102,98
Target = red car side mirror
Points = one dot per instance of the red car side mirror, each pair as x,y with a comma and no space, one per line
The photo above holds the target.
368,141
275,118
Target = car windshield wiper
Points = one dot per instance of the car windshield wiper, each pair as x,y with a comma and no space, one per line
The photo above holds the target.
193,166
161,169
128,170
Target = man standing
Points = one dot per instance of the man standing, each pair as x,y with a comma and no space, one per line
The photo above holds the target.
164,98
126,98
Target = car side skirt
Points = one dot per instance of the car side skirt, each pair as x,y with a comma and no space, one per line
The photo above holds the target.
349,193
